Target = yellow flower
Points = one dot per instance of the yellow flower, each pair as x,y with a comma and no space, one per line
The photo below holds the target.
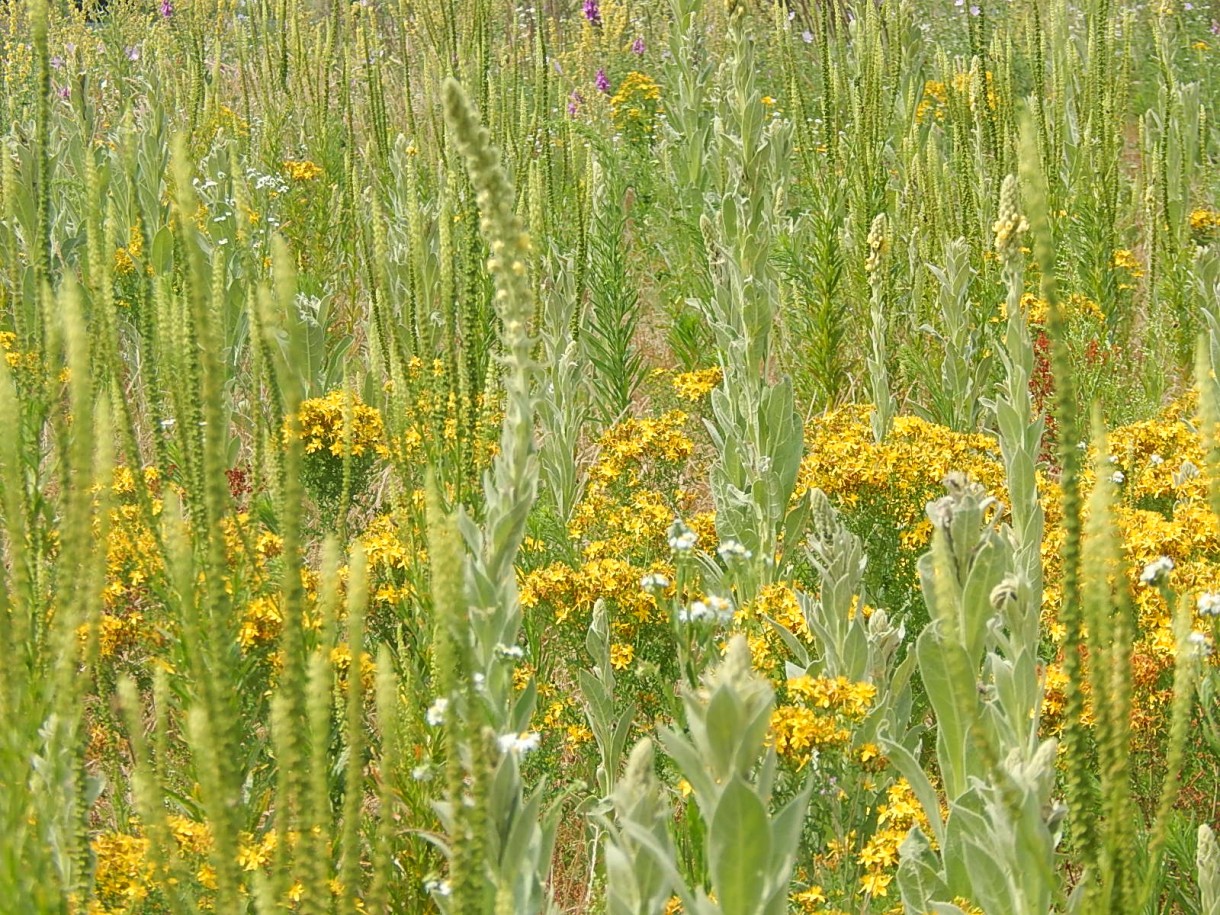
302,170
621,656
694,386
874,883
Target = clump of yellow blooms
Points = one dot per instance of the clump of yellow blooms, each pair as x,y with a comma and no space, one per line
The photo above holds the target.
635,105
17,360
906,470
1161,510
125,257
965,85
1204,222
819,714
124,873
1125,260
879,855
323,425
301,170
1074,307
696,385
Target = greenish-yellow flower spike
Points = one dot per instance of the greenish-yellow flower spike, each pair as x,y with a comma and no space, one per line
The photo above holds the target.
506,236
878,243
1009,224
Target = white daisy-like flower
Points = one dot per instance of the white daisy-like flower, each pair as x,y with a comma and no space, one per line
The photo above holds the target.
654,581
520,743
1155,572
732,551
435,715
1209,604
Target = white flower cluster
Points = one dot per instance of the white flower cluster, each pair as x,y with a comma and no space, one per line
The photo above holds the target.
1156,571
519,743
713,610
681,538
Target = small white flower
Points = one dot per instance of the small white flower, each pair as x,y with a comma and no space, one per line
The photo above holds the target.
510,651
438,887
1209,604
681,538
1154,573
422,773
654,581
720,608
1156,460
731,551
1200,644
435,715
520,743
1118,477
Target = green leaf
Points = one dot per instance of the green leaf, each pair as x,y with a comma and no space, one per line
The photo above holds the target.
740,844
955,703
161,256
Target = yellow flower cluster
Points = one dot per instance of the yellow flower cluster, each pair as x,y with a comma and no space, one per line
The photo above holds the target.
895,817
125,258
1125,260
1204,222
302,170
936,95
323,421
1161,511
632,454
1074,307
776,602
634,107
905,471
694,386
24,362
827,707
123,874
133,561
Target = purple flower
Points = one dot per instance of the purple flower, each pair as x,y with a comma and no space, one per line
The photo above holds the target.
637,46
167,8
602,81
57,62
593,12
974,11
133,53
63,92
807,36
575,100
1216,26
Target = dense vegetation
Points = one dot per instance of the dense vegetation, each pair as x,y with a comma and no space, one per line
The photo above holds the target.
609,457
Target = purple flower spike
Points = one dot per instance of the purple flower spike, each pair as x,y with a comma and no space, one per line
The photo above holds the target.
167,8
593,12
575,100
637,46
603,81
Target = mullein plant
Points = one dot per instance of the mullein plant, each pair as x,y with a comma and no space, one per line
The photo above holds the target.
885,405
499,839
564,399
965,366
752,842
854,646
1018,425
754,427
978,665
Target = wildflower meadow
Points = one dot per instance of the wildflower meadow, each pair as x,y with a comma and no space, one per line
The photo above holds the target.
724,457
